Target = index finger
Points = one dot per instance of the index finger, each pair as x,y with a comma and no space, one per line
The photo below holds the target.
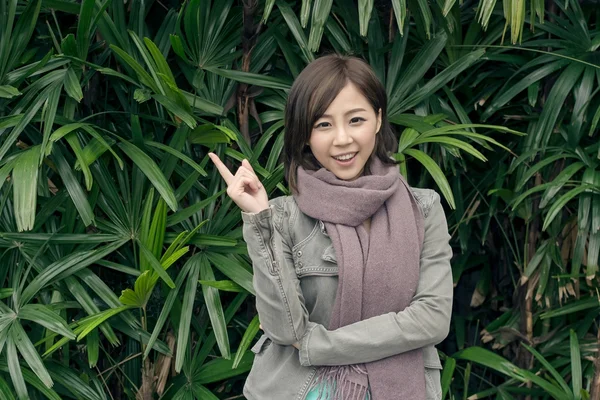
223,170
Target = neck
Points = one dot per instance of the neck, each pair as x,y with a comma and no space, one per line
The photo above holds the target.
367,224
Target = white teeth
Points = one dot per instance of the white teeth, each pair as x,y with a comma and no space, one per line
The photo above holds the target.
345,157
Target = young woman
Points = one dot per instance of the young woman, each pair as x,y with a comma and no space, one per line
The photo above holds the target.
352,272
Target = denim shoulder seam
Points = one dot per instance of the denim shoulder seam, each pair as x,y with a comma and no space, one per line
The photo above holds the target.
425,199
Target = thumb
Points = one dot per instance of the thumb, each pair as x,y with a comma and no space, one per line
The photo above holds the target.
247,164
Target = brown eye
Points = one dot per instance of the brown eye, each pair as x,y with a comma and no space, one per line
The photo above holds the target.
322,125
356,120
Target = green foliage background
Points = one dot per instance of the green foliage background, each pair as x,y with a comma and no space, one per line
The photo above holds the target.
122,266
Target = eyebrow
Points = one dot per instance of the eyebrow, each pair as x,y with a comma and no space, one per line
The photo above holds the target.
346,113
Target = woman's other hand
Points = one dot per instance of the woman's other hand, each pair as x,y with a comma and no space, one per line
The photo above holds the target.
296,345
244,187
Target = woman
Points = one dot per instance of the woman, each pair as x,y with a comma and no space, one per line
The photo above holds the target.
352,272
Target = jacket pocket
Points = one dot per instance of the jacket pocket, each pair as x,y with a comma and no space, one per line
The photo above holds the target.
261,345
315,255
433,382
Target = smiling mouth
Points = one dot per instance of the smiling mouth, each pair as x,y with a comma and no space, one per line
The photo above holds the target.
345,157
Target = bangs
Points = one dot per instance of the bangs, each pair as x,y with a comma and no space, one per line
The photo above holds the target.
324,92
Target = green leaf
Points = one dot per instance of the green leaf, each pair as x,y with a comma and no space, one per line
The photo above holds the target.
176,109
538,166
66,266
65,130
73,141
14,369
159,60
96,135
221,369
573,307
435,172
25,178
141,95
576,377
168,304
142,290
447,375
548,366
562,201
226,286
72,85
83,297
177,46
187,309
267,11
156,265
513,89
8,92
70,379
449,141
246,341
500,364
48,116
84,27
179,155
556,100
232,269
41,314
5,391
78,196
21,36
321,10
202,104
152,172
30,354
365,8
253,79
186,213
415,71
200,392
144,77
439,80
91,322
558,183
292,21
594,123
172,258
215,309
69,45
93,348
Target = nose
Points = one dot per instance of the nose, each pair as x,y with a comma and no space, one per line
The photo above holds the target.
342,137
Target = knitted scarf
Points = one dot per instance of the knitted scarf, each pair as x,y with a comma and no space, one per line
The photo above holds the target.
378,271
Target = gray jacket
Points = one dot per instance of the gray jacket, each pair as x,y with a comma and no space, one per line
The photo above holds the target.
295,278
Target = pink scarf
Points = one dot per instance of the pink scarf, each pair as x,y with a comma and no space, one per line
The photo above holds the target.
378,271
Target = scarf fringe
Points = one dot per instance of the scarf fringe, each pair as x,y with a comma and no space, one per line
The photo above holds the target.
336,383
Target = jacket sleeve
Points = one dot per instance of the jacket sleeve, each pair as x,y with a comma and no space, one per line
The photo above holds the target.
424,322
279,298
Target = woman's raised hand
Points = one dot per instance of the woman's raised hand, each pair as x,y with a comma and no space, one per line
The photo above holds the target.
244,187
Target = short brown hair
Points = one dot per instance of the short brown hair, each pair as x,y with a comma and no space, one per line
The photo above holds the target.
311,94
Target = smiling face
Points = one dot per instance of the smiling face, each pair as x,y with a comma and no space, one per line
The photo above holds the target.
343,138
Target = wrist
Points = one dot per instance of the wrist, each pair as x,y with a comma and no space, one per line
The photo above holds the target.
258,209
256,214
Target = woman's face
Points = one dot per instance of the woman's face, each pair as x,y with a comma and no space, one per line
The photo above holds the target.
343,139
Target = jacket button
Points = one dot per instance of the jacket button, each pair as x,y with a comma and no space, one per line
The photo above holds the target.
299,253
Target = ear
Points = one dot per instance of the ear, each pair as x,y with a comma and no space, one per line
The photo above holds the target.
378,120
